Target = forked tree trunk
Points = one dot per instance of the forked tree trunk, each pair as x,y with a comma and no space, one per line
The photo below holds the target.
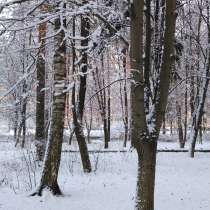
138,115
53,151
78,107
143,139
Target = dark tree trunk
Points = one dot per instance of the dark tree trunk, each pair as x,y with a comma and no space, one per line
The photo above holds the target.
125,88
186,110
147,62
23,114
109,113
71,135
143,139
146,175
40,96
105,108
102,101
171,127
164,125
106,134
16,121
78,108
179,125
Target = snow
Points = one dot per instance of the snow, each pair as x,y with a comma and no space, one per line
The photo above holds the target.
181,182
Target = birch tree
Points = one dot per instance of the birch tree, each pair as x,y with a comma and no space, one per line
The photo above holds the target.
49,176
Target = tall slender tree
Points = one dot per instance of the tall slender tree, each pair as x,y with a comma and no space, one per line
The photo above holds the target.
198,112
78,106
49,177
40,134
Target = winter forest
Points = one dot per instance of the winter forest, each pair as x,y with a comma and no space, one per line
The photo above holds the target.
104,104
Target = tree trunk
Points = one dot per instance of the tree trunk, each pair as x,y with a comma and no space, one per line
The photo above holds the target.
105,108
197,117
53,151
179,125
186,109
71,136
106,134
164,126
40,141
147,61
146,175
24,122
109,113
143,139
171,127
78,108
16,121
138,115
102,101
125,117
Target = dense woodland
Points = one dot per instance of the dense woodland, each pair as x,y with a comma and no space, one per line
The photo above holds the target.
72,66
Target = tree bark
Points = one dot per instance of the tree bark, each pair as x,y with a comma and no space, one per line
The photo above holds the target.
78,108
146,175
125,89
143,139
53,151
197,117
40,141
179,125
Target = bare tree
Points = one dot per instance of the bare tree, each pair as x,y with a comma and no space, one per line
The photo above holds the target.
78,106
53,151
40,134
198,113
145,129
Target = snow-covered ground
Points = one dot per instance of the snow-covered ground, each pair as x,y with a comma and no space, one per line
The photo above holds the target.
182,183
166,142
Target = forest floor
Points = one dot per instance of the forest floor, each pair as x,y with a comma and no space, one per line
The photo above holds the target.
182,183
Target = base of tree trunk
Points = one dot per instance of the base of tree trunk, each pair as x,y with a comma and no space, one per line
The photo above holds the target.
146,175
182,145
193,143
106,145
55,189
83,149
